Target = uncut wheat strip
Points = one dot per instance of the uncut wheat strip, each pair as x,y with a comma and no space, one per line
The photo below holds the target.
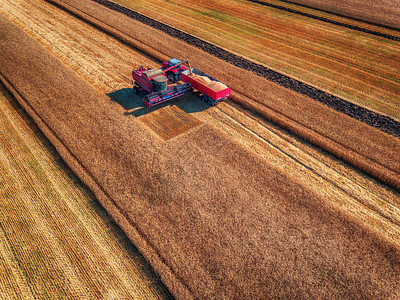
341,150
355,175
347,186
111,252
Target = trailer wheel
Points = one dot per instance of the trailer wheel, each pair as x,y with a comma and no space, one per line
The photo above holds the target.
204,98
210,101
136,90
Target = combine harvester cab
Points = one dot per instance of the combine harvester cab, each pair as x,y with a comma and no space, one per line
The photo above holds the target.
173,79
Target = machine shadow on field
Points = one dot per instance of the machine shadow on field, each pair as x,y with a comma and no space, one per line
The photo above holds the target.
133,105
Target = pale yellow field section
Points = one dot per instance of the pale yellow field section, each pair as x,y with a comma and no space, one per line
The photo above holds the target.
56,241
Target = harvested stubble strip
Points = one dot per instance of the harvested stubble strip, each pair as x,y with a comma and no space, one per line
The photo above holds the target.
213,219
368,149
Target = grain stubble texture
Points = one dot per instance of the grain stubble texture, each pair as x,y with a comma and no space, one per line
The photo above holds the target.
212,218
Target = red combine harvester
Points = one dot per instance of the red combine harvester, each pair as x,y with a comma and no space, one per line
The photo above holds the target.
173,79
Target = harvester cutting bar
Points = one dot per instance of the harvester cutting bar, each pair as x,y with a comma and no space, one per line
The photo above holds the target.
172,92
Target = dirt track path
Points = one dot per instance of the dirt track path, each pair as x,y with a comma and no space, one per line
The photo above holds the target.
106,64
56,241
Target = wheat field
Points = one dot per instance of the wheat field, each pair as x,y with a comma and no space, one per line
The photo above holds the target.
56,241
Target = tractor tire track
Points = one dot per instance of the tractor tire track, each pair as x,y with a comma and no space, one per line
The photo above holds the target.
382,122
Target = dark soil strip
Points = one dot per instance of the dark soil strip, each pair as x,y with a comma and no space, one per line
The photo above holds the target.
353,27
376,120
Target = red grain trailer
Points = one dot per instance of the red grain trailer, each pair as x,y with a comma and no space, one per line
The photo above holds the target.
213,90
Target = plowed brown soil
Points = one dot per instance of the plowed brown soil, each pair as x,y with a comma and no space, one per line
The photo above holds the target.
214,218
